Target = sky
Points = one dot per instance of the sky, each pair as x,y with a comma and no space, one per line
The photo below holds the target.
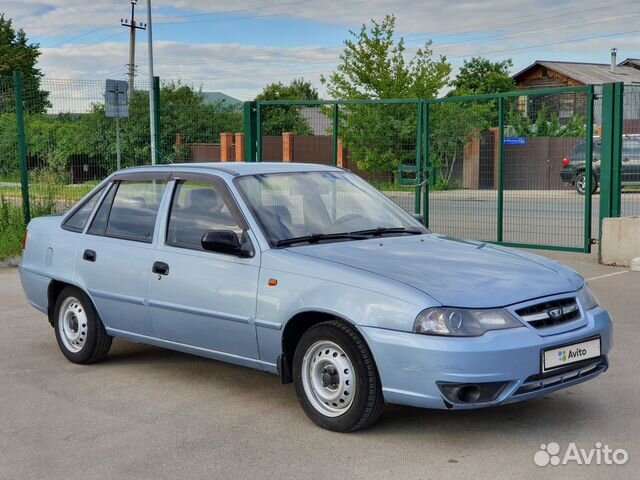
239,46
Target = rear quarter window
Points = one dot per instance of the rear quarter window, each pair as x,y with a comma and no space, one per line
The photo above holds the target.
78,220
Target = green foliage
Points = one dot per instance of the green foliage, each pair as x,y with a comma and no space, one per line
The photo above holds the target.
13,227
545,125
480,75
17,53
279,119
452,125
374,66
53,141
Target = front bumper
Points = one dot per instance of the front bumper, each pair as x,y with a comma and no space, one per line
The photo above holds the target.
412,366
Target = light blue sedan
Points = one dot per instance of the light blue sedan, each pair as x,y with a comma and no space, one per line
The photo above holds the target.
308,272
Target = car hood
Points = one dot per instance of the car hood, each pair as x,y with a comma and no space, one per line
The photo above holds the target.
454,272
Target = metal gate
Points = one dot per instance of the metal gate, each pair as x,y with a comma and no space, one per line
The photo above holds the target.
498,168
508,166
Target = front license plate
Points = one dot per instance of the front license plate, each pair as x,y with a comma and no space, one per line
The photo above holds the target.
568,354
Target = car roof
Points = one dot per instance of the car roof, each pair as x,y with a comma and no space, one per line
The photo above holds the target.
238,168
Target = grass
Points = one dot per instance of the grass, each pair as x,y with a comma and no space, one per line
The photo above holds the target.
12,228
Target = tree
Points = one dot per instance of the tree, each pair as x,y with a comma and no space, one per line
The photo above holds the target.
545,125
374,65
17,53
480,75
454,124
279,119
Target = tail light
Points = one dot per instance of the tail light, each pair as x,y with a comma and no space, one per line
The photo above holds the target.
566,161
24,245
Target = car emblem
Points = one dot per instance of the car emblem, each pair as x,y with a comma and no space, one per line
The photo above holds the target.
555,313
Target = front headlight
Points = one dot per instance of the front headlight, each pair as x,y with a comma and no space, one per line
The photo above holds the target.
587,299
462,322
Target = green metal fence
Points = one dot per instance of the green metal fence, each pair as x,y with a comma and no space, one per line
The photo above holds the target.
375,139
486,167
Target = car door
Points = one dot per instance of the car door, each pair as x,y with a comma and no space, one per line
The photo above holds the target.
114,255
201,298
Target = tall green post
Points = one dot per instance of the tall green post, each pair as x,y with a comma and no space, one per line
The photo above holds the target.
156,114
249,120
588,171
427,164
500,168
22,146
419,170
611,156
258,133
336,119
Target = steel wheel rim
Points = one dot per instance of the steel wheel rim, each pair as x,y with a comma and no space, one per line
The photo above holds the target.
72,325
328,378
581,183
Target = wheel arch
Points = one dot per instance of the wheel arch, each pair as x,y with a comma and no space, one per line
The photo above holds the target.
293,330
54,290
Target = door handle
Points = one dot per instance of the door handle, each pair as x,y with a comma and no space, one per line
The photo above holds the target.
89,256
160,268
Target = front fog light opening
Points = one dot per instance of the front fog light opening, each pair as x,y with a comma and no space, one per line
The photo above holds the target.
470,393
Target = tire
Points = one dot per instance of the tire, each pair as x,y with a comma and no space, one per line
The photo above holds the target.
79,331
581,183
336,379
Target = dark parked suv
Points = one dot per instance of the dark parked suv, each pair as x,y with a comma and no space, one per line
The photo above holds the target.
573,166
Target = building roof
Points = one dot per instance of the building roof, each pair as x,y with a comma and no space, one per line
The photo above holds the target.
631,62
589,73
214,97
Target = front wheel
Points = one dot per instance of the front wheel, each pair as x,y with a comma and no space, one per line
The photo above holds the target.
336,379
80,333
581,183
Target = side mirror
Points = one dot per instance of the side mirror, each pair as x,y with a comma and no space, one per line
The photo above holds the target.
419,217
224,241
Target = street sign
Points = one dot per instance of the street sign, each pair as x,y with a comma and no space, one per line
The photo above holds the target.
116,99
515,141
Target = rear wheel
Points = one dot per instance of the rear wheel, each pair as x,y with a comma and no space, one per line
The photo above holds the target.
79,331
336,379
581,183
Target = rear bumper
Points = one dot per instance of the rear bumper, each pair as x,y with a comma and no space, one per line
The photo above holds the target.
414,368
568,176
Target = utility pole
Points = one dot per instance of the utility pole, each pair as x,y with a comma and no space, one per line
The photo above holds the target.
132,26
152,100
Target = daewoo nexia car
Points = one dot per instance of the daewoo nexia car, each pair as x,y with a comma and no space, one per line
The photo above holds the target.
308,272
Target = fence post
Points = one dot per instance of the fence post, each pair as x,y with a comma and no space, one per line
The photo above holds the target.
156,114
611,156
336,118
427,164
249,119
588,171
22,146
419,175
500,168
258,133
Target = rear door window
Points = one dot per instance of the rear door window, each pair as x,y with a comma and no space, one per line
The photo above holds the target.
130,210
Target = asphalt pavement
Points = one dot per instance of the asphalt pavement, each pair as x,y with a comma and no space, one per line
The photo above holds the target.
148,413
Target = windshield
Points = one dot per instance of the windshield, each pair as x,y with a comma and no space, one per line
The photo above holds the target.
321,206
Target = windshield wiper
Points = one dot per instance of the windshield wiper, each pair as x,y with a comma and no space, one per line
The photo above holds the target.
376,232
318,237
